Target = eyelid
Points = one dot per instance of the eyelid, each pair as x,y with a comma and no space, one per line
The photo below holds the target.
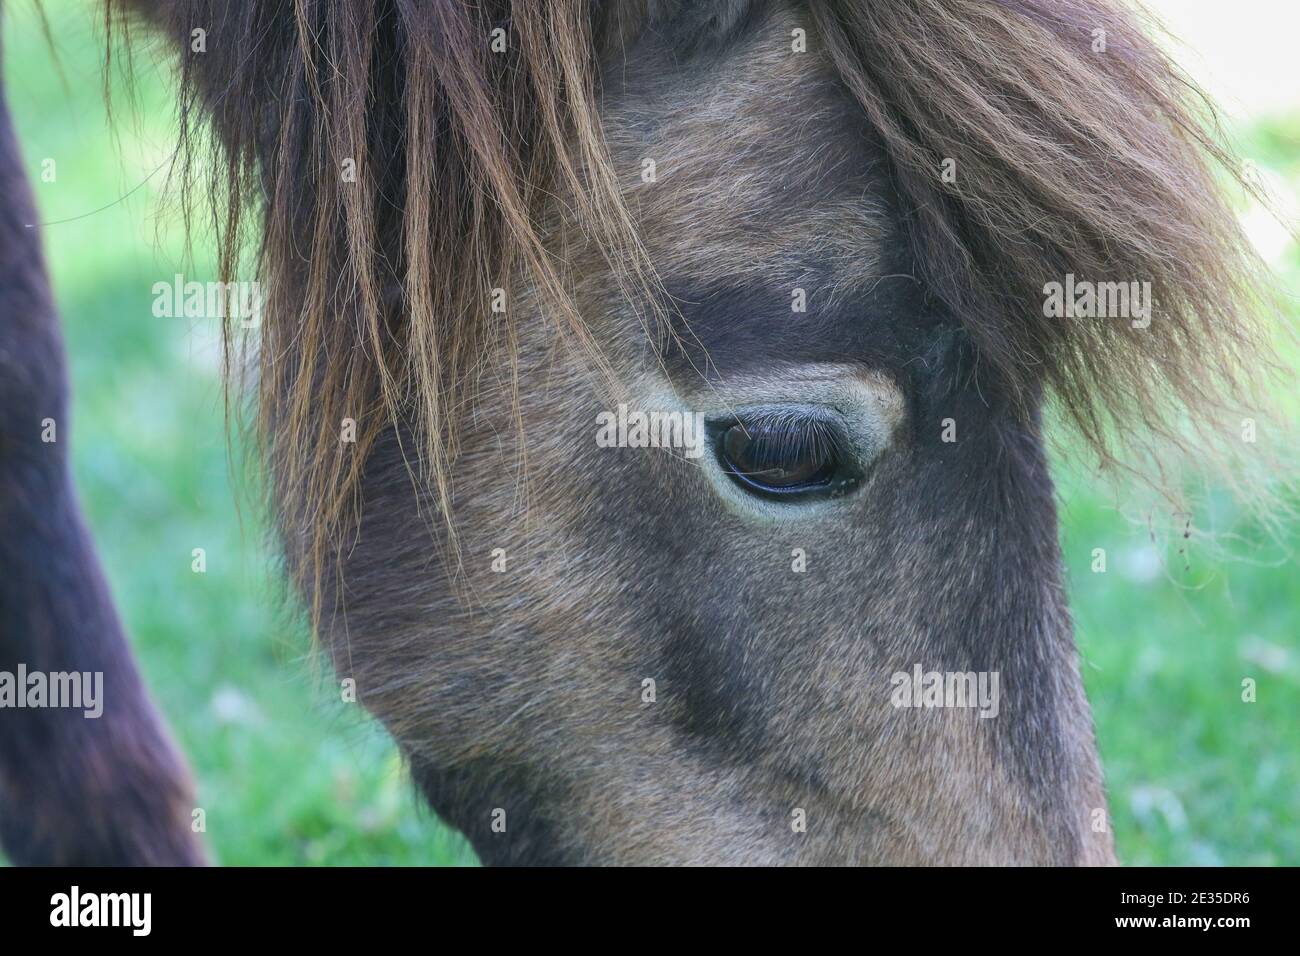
866,408
804,444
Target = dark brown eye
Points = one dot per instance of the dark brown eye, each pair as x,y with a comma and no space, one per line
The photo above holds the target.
783,457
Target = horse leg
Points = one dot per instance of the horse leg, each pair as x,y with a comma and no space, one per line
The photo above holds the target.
74,788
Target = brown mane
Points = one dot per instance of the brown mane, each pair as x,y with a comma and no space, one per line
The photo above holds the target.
1101,164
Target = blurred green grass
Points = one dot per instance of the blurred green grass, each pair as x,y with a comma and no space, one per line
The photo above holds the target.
289,774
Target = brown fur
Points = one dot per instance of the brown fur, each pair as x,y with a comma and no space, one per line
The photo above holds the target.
521,691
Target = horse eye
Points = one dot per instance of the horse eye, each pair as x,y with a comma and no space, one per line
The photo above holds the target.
785,460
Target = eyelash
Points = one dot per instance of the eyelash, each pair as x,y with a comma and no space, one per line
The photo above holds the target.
780,435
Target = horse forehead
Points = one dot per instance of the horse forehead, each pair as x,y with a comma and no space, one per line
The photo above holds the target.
747,162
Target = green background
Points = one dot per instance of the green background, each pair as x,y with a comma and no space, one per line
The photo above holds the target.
288,774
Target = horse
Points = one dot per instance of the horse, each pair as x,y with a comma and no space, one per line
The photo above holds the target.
819,616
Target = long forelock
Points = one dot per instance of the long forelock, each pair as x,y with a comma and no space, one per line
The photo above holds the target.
1075,147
